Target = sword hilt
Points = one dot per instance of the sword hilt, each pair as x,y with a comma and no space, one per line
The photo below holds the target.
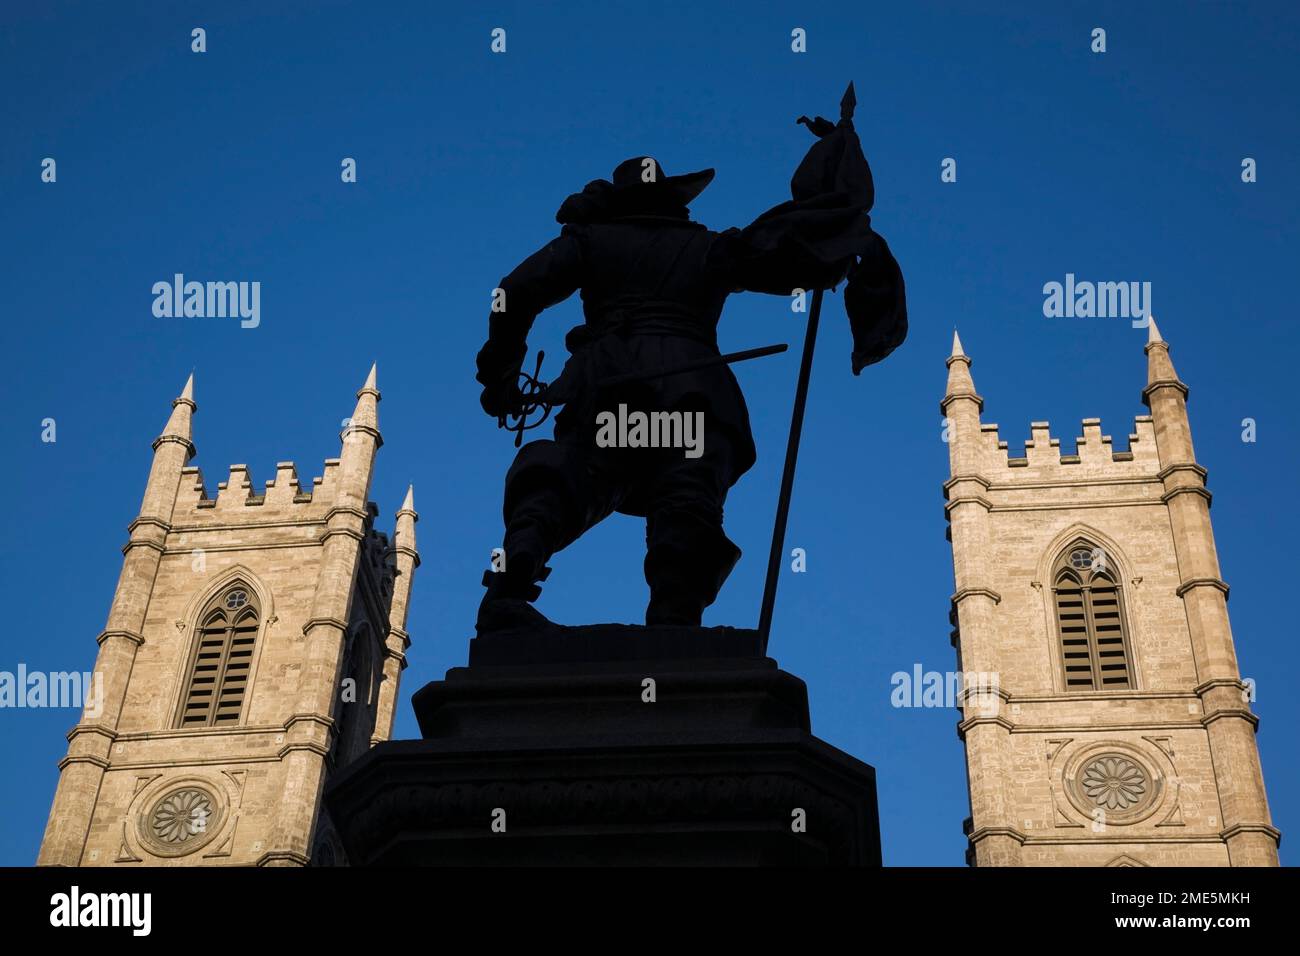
532,396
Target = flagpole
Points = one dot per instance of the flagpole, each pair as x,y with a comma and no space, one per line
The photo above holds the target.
775,556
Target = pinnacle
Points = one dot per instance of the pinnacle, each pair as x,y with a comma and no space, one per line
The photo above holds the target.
956,344
179,422
370,379
408,504
1160,369
366,412
960,382
1153,333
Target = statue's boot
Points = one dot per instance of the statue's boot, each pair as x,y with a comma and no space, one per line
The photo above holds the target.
687,561
507,605
541,518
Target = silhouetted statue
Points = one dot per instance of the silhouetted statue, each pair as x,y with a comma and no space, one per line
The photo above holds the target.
653,284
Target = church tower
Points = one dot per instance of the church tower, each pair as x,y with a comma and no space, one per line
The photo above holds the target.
254,644
1111,725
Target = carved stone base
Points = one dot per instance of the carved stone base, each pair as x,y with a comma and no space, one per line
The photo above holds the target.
610,744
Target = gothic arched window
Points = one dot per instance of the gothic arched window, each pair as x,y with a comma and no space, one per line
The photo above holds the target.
223,656
1090,624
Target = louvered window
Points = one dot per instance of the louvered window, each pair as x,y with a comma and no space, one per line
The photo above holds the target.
1095,653
223,657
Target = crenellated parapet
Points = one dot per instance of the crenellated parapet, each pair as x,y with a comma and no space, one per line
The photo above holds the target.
281,498
1095,455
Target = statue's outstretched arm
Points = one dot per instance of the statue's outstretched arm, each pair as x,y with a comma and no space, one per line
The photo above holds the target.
797,245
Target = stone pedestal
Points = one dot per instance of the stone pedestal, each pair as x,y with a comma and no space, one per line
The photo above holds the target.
610,745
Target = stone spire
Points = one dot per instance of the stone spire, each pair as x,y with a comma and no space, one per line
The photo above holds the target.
1247,827
959,377
974,600
404,559
404,534
180,425
366,414
92,739
1160,368
1166,396
172,450
325,633
961,407
361,439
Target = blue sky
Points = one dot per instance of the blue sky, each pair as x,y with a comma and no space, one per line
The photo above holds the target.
225,166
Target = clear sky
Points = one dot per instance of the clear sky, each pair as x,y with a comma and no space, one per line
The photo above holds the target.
1122,166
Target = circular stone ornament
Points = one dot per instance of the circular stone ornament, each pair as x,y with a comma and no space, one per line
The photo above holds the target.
181,821
1114,783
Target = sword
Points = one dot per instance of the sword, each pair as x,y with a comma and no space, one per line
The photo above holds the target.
532,389
725,359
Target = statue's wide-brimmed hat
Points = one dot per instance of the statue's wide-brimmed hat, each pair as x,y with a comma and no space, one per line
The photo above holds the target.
638,187
644,177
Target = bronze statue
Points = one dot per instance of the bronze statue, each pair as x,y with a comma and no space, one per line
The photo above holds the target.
653,284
